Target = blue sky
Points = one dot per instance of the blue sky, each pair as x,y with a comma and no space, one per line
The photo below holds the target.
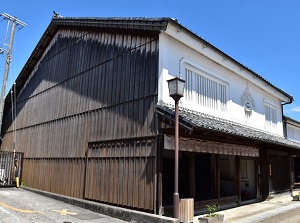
263,35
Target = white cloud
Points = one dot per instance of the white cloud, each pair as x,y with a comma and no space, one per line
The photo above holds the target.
291,109
296,109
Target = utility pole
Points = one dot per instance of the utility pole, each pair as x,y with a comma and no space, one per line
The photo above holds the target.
14,22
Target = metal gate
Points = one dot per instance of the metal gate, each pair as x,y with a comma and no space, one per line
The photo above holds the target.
10,168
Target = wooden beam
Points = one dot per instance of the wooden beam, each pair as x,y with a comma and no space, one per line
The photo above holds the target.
192,174
218,183
238,177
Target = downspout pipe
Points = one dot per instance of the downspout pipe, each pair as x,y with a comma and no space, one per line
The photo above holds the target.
282,115
285,136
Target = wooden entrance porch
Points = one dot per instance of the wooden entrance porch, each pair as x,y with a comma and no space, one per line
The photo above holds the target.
210,178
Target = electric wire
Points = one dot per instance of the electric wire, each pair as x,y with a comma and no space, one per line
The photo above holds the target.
12,117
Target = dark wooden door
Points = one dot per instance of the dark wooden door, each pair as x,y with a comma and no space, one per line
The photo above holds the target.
297,169
278,173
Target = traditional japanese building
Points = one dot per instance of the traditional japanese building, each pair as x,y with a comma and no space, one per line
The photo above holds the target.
95,121
292,132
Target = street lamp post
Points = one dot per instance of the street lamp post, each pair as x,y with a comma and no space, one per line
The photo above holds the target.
176,88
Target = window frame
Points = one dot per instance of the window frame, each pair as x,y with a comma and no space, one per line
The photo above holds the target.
210,76
272,108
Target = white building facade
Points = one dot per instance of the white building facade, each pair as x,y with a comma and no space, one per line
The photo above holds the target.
216,84
231,120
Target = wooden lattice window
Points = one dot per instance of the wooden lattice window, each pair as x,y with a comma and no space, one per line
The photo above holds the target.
208,92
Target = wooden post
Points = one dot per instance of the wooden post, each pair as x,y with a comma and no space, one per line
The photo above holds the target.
257,178
192,174
159,173
218,177
238,178
292,173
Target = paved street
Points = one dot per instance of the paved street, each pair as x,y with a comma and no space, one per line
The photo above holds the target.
277,208
21,206
291,216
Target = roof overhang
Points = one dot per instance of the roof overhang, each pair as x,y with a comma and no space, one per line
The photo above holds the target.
200,121
291,121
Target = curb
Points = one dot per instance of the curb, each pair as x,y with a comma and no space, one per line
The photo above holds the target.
109,210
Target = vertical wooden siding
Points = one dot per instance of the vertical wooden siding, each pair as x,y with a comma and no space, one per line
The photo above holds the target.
122,173
92,73
87,86
68,137
57,175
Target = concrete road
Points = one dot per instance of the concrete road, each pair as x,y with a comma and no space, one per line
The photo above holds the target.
291,216
276,208
22,206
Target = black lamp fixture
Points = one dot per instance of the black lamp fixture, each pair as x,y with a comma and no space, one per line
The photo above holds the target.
176,88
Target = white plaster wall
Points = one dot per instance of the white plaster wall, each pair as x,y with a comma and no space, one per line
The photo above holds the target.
177,47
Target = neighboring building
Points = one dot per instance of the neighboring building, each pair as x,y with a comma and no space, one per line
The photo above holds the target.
292,132
292,129
95,120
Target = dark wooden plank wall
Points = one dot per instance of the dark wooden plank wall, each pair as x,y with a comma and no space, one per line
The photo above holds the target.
57,175
122,172
88,86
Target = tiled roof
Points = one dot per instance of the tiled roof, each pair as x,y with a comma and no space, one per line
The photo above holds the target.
291,121
134,23
204,121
